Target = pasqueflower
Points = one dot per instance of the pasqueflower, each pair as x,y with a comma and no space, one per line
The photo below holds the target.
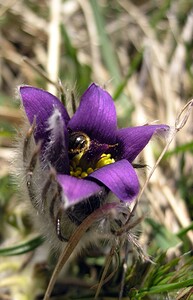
88,152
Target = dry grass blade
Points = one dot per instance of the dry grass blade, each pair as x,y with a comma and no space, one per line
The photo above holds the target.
75,238
183,116
106,267
155,89
7,6
179,124
10,114
43,74
177,65
54,41
140,18
94,43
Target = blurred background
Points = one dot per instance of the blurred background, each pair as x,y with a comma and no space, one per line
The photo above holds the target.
142,51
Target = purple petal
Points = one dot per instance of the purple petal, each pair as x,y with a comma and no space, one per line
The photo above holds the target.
76,190
96,115
40,104
120,178
132,140
56,149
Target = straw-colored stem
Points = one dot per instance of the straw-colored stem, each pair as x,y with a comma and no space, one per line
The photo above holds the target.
53,44
75,238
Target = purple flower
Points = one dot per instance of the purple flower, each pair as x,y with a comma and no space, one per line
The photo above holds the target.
90,155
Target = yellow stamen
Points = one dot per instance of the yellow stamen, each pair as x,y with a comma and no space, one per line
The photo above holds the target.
104,160
76,159
76,171
84,174
89,170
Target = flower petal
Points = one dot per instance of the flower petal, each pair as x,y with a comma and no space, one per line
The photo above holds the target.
132,140
56,149
40,104
96,115
120,178
77,190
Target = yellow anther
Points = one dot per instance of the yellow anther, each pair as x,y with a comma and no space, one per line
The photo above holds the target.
84,174
77,171
104,160
101,163
108,162
89,170
112,160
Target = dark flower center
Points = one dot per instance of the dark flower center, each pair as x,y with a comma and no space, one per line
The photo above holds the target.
86,156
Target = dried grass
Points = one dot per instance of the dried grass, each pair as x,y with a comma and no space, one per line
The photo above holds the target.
157,89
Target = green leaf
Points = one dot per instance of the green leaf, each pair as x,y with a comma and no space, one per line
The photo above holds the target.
22,248
168,287
74,70
160,13
133,67
109,56
180,149
164,238
184,230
